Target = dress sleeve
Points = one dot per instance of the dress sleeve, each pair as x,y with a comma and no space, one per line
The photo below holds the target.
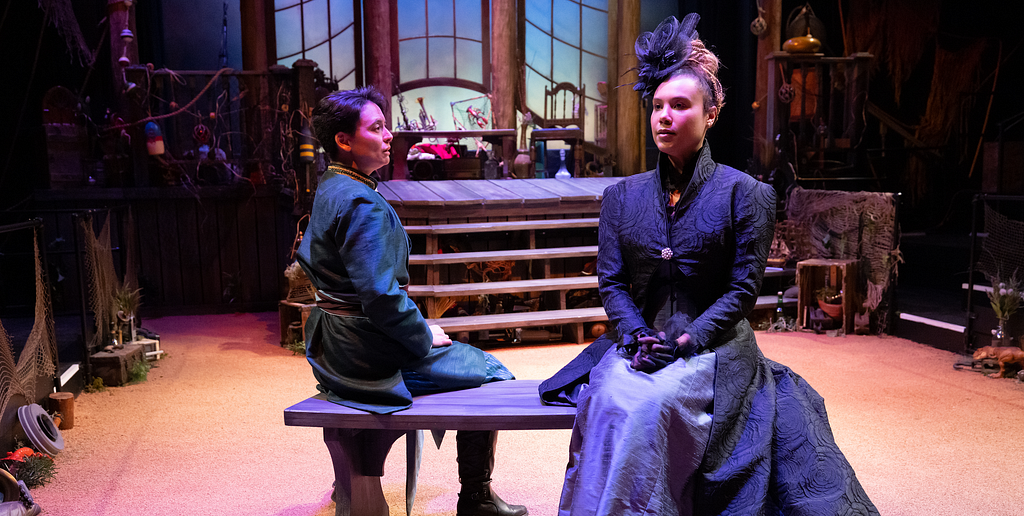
614,276
753,227
368,235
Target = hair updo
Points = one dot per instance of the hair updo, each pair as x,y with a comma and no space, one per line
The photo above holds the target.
674,48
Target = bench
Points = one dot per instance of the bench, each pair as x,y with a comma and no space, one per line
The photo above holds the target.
359,441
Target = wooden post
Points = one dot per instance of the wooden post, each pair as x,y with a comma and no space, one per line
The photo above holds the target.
254,28
611,114
503,72
767,43
119,18
64,402
377,26
629,141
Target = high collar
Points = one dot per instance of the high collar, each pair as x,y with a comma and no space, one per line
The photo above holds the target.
339,168
699,171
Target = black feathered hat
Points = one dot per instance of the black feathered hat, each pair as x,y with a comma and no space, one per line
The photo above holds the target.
664,51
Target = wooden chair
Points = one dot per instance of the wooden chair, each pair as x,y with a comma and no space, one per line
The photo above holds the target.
563,108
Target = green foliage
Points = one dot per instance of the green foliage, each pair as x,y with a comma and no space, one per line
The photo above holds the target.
828,295
139,372
96,385
297,347
36,471
127,300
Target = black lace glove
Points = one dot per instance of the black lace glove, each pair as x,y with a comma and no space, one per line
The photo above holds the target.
653,354
675,329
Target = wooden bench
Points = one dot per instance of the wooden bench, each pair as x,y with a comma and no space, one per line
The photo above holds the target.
359,441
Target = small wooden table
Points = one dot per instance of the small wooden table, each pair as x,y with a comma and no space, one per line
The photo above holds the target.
359,441
404,140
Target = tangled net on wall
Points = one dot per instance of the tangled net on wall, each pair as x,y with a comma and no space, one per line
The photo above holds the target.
1003,248
39,356
846,225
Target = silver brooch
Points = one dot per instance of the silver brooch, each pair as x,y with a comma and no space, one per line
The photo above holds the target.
666,253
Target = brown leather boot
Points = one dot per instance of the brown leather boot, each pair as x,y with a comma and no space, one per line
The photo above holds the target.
476,461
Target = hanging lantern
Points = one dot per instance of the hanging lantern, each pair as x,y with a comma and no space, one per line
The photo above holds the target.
154,139
759,25
306,146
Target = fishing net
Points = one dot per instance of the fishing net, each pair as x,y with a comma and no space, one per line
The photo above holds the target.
1002,252
99,266
39,356
9,384
62,14
846,225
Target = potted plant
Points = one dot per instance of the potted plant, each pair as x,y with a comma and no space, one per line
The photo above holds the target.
1005,298
125,306
830,301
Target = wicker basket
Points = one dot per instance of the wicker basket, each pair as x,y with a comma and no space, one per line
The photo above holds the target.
300,290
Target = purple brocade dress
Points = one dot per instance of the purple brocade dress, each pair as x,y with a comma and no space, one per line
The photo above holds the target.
725,431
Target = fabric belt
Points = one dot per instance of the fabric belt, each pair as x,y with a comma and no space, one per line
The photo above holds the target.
340,309
344,308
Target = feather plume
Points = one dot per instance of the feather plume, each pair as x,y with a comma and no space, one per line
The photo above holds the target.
664,51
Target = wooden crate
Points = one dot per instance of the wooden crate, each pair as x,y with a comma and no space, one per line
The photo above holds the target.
114,367
289,312
811,275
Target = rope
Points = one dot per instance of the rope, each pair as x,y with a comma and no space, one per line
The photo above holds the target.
174,113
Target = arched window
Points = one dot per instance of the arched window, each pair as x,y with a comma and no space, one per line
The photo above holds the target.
324,31
566,41
443,56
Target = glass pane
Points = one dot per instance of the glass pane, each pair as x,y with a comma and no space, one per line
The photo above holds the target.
469,61
589,119
535,85
437,103
341,15
600,4
283,4
440,17
412,59
566,64
538,50
566,20
288,26
322,56
314,14
539,12
442,57
412,19
595,69
595,31
287,61
342,54
348,83
467,19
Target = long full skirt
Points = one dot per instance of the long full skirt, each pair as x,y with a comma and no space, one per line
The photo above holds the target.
639,438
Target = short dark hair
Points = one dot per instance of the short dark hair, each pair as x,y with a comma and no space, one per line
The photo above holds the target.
339,112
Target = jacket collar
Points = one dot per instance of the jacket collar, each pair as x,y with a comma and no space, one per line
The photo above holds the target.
341,169
703,167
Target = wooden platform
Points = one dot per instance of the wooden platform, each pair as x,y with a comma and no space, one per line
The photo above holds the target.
429,201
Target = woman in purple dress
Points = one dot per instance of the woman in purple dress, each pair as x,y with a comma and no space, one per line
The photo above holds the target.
678,411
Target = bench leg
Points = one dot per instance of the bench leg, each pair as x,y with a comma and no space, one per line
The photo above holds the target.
358,457
577,332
